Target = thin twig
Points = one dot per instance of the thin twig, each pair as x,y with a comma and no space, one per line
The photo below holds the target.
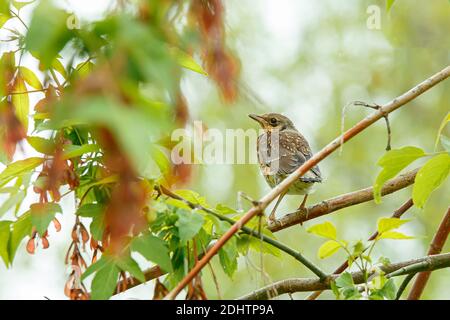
403,285
309,164
386,118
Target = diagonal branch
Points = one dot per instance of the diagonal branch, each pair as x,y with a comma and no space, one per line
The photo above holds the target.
262,204
436,246
428,263
342,201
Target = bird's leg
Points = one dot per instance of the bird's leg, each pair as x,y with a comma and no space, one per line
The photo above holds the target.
272,214
302,205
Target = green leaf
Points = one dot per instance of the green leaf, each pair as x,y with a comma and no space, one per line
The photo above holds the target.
445,142
105,281
345,280
351,293
20,229
328,249
21,101
42,145
386,224
90,210
19,4
16,168
98,265
326,230
12,201
3,19
58,66
358,248
389,4
392,163
83,69
72,151
97,227
5,232
335,289
441,128
153,249
188,224
394,235
389,291
47,33
42,214
30,78
187,61
228,255
430,177
130,265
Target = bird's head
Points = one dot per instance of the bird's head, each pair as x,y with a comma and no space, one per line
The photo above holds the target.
273,121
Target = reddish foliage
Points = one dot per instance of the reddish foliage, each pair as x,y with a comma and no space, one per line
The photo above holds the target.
124,214
220,64
14,131
56,172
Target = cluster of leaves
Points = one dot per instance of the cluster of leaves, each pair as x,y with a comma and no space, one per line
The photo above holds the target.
430,176
359,254
109,96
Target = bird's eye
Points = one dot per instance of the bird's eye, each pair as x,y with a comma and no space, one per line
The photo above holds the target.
273,121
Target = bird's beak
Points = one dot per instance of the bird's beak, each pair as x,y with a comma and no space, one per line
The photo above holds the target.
257,118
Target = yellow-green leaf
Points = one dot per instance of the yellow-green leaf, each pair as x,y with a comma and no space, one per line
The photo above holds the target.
19,5
326,230
42,145
3,19
328,249
394,235
430,177
187,61
386,224
389,4
5,231
16,168
30,78
83,69
58,66
73,151
441,128
392,163
21,102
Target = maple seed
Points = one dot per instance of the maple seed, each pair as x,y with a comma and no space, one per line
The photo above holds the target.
57,225
45,243
84,234
31,247
74,235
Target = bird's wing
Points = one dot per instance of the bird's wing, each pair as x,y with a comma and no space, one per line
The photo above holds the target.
294,151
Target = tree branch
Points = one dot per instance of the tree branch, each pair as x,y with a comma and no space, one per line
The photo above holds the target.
309,164
342,201
397,214
428,263
436,246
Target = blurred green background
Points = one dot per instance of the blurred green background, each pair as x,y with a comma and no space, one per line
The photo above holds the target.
307,60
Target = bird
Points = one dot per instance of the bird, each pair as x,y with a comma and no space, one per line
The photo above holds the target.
281,149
